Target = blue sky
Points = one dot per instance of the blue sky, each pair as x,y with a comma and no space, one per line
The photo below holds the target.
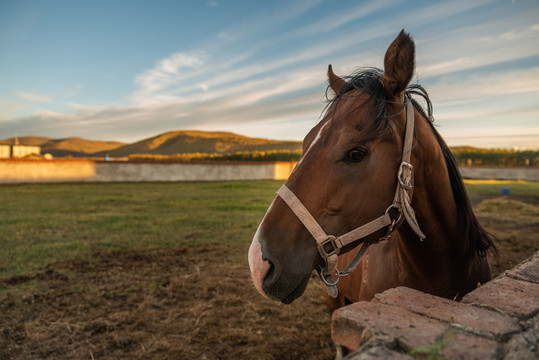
126,70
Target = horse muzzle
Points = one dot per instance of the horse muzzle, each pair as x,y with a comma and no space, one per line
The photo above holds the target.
269,279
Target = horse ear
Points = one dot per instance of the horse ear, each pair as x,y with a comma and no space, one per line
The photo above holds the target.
335,83
399,65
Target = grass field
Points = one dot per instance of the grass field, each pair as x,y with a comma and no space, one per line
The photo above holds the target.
159,270
478,188
41,224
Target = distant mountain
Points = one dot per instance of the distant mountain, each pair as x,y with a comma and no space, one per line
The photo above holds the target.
170,143
26,140
76,147
185,142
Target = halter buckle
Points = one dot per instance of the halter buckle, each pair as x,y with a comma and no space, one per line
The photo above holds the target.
405,183
323,249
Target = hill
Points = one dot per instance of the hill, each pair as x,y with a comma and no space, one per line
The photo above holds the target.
169,143
26,140
76,147
188,142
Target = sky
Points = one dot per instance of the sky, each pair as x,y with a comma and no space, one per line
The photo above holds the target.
125,70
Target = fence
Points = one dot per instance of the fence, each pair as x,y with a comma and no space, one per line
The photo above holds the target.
29,171
500,173
499,320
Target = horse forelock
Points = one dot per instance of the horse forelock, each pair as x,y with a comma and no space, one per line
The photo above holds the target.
367,81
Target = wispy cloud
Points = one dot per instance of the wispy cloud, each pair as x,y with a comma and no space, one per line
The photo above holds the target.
490,43
338,19
8,108
455,91
33,97
165,73
225,36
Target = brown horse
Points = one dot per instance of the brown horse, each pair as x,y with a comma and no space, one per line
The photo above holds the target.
395,202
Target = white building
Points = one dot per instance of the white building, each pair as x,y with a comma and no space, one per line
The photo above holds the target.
5,151
18,151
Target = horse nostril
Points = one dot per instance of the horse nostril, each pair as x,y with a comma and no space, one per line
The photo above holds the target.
271,268
271,275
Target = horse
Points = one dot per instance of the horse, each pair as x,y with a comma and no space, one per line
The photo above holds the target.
377,176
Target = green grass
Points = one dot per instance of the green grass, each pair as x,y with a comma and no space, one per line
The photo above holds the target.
493,187
41,224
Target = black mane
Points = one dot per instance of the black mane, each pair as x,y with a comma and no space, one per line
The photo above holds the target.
370,81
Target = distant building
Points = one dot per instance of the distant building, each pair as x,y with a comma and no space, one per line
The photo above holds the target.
5,151
20,151
17,151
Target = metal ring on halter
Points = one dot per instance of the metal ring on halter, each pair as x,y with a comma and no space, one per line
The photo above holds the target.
327,282
394,206
389,231
393,222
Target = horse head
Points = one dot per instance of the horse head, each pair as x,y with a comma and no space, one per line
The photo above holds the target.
345,178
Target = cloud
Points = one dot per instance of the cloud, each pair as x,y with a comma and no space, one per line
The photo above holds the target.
8,108
334,21
166,72
478,45
500,137
457,90
203,87
32,97
225,36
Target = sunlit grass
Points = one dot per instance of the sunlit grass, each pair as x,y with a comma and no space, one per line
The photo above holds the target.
493,187
41,224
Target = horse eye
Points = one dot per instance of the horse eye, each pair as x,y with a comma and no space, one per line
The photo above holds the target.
356,155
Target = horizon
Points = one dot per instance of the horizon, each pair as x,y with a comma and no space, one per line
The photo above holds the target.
127,71
514,148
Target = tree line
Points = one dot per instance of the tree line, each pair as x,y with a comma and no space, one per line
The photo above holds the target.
495,157
272,155
464,156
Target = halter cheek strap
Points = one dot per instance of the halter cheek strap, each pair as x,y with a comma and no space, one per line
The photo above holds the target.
329,246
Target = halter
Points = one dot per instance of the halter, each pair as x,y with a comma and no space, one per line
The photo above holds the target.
329,246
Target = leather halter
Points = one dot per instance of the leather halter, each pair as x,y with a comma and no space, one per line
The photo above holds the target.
329,246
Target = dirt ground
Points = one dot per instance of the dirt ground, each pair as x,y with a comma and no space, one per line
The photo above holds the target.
185,303
514,221
182,303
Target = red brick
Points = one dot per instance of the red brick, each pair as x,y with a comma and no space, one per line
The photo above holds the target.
466,317
378,353
356,324
458,345
515,297
527,270
525,346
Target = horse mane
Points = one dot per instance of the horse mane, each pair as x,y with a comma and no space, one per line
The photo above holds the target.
370,81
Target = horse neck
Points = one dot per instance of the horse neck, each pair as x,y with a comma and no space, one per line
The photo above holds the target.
434,204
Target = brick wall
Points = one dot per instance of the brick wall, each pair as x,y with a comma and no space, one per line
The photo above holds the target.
28,171
500,173
499,320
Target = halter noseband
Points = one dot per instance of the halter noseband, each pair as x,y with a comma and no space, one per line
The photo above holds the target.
329,246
